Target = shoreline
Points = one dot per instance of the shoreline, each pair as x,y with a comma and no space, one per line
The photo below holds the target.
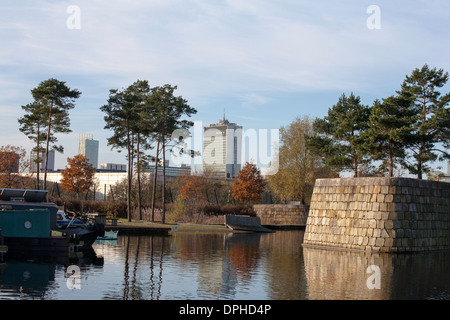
143,227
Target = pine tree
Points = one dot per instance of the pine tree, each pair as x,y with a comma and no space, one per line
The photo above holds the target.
120,118
55,99
431,128
33,125
337,136
139,114
390,131
169,110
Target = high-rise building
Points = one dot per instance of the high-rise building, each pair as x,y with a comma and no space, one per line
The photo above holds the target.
50,161
222,143
89,147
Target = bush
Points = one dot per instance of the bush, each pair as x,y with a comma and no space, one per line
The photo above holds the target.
116,209
217,210
177,211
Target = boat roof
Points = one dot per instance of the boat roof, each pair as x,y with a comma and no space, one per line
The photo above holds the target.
23,195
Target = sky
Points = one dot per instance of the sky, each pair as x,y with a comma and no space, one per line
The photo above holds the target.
264,63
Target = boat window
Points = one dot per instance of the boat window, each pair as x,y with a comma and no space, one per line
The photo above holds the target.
4,207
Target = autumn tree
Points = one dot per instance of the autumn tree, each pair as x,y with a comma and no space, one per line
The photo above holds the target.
249,184
298,167
13,164
201,187
78,176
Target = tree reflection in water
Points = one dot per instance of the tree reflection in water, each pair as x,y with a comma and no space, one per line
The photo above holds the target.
201,265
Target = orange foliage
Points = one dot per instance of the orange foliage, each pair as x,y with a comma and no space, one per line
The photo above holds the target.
12,165
248,184
78,176
194,187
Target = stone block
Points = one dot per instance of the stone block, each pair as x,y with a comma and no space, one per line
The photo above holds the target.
380,214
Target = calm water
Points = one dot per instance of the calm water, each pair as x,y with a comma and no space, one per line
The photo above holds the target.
224,266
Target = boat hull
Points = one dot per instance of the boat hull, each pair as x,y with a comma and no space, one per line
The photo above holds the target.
54,244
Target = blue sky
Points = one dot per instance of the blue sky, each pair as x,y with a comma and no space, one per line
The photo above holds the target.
263,62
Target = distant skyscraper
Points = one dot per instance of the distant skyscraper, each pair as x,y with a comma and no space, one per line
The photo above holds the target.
50,162
222,145
89,148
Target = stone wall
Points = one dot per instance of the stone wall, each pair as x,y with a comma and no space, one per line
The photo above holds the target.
282,214
379,214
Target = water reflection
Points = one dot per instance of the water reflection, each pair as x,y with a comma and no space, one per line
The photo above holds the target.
338,275
143,256
284,266
190,265
28,275
213,266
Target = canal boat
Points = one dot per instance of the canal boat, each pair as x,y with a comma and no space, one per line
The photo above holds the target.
29,231
3,248
81,229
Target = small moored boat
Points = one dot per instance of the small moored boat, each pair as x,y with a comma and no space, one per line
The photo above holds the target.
82,229
109,235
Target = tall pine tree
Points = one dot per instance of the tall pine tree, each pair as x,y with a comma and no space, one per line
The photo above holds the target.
169,111
121,117
431,129
337,136
52,101
390,131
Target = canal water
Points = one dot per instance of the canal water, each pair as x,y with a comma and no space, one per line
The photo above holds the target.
199,265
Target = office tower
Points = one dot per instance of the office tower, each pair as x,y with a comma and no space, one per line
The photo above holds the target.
222,143
50,162
89,147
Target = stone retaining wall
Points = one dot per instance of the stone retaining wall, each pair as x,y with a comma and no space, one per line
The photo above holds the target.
282,214
379,214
